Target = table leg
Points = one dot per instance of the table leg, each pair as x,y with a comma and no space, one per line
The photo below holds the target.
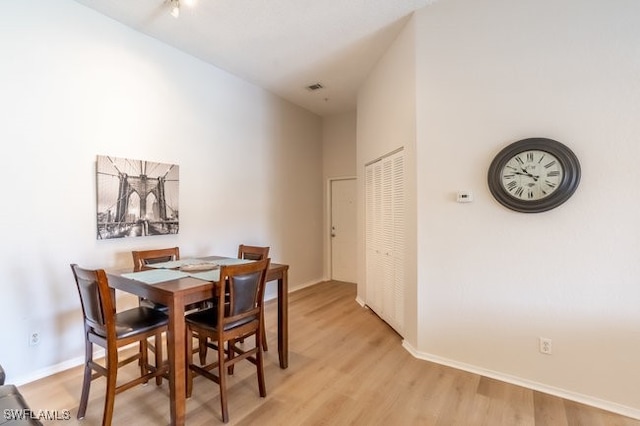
283,320
177,374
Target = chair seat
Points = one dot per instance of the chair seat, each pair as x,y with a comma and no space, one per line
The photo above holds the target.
136,321
208,319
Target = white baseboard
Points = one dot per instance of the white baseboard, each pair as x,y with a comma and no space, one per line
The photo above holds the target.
562,393
53,369
306,284
65,365
272,292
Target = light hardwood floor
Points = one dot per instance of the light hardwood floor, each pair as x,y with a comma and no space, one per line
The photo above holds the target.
346,367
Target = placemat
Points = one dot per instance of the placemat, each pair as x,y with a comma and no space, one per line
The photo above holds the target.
154,276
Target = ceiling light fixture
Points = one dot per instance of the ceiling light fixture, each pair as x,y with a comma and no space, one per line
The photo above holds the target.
175,8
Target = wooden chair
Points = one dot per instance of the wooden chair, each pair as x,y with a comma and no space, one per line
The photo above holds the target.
249,253
143,258
238,316
252,252
111,330
141,261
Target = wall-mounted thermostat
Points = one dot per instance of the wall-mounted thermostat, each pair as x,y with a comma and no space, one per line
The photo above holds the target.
465,197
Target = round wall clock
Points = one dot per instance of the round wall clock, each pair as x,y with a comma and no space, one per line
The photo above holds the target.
534,175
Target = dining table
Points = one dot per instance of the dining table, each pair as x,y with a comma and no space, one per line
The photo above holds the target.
171,285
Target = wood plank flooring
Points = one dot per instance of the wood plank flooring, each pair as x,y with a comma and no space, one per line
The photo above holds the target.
346,367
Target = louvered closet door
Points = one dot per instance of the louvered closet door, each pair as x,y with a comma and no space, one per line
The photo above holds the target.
385,228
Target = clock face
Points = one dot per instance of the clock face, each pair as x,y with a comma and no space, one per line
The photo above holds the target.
531,175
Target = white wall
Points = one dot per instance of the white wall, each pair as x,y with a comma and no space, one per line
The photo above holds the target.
386,122
491,281
76,84
339,145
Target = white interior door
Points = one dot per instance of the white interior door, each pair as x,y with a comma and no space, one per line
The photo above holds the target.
343,230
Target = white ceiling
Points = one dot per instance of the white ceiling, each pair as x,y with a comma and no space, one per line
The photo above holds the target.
280,45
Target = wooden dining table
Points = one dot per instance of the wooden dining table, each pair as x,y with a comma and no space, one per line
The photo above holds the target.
179,292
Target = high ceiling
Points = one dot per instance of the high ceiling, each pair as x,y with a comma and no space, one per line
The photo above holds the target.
283,46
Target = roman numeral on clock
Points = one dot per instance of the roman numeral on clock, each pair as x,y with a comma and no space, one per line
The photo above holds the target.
519,191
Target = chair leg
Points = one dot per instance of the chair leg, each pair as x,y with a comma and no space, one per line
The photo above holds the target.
144,357
260,370
222,378
231,344
158,354
110,395
149,347
264,333
86,381
202,350
189,358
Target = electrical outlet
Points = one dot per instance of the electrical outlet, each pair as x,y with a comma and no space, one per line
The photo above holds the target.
34,338
545,345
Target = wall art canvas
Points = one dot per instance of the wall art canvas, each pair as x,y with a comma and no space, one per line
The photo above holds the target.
136,198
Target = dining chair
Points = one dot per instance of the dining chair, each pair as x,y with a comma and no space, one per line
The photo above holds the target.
112,330
249,253
142,259
252,252
238,316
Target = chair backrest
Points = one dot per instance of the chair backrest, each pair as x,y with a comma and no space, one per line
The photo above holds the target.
142,258
244,284
252,252
95,297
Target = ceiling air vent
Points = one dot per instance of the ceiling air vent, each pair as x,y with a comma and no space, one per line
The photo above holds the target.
314,87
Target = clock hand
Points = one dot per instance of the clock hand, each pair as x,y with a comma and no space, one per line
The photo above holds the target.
525,173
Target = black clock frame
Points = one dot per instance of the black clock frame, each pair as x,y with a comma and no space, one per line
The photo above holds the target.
570,179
